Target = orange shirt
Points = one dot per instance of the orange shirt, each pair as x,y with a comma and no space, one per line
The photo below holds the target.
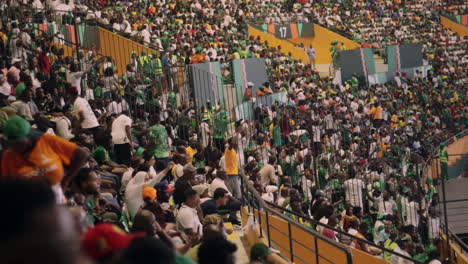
376,112
230,159
46,159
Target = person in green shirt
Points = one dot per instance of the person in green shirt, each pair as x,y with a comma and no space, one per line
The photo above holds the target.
221,122
158,140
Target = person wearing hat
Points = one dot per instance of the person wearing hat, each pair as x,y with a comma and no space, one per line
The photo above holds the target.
203,191
41,156
164,193
104,241
184,183
248,91
261,254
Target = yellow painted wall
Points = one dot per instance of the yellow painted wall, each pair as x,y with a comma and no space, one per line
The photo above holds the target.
286,47
461,30
458,256
67,51
458,147
321,43
119,48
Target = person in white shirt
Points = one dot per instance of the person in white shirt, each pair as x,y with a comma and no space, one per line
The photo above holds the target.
411,212
403,248
219,182
74,77
205,132
85,115
189,214
62,122
145,34
122,138
117,106
433,224
268,173
353,191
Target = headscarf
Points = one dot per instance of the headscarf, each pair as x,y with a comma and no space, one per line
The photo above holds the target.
134,193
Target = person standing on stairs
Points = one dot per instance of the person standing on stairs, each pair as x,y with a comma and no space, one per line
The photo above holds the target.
311,53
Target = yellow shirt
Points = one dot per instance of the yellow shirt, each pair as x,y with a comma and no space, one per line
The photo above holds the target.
230,158
376,112
190,152
394,121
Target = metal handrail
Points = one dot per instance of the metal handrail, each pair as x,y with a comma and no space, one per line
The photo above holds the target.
457,239
315,222
246,183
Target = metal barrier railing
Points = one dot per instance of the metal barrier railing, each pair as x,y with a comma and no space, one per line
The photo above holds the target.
340,233
263,213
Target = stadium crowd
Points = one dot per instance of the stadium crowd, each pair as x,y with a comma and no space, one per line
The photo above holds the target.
147,177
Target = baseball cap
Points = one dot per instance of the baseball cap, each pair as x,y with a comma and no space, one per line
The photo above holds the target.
189,168
164,187
105,238
250,84
200,188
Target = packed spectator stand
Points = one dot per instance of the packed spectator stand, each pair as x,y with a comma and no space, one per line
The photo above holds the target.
145,175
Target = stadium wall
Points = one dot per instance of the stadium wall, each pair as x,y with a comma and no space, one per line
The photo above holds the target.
286,46
119,48
322,43
458,146
461,30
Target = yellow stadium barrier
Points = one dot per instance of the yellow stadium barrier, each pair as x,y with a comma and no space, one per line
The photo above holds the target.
457,255
296,244
321,42
457,147
119,48
304,244
286,47
67,51
461,30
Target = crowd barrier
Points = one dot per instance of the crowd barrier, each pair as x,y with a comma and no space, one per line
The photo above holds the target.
455,145
295,243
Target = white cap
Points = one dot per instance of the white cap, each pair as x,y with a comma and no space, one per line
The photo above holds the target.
271,188
250,84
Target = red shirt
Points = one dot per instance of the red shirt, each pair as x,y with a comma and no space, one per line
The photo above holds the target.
44,63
